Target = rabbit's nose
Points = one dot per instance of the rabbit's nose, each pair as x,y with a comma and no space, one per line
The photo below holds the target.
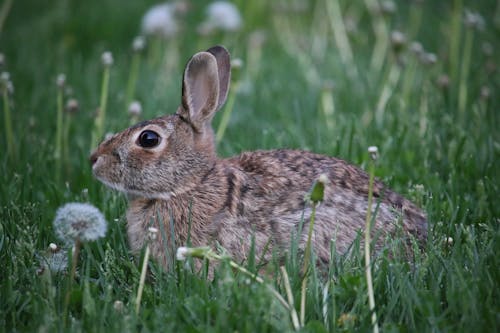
93,158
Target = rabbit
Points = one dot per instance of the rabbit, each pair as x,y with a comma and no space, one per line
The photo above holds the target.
170,171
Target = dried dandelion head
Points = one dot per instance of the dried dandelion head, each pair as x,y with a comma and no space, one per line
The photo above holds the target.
79,221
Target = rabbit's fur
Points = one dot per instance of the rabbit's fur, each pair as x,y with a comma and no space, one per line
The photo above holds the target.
254,197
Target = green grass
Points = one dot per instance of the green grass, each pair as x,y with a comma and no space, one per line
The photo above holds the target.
426,134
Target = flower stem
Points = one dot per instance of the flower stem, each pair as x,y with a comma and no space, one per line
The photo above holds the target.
59,133
227,113
132,79
74,262
293,312
8,124
142,280
101,116
307,257
464,72
369,280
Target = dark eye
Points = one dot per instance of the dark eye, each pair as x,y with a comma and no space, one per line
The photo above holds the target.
148,139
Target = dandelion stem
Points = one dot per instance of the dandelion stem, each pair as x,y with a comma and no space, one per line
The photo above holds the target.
101,116
142,280
59,133
369,281
381,35
132,79
8,123
464,72
227,113
293,312
74,262
307,256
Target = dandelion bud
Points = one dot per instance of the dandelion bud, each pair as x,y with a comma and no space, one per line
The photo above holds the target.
135,109
79,221
107,59
373,151
138,44
428,58
72,106
61,81
182,253
398,40
485,92
416,48
317,192
443,81
118,306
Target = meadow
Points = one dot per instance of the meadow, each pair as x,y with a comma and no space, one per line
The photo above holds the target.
417,79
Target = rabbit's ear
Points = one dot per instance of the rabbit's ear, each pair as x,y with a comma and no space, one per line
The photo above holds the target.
200,90
224,69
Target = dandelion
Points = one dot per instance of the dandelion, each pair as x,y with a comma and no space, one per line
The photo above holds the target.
182,253
72,106
398,41
448,241
138,44
427,58
107,59
236,63
79,221
135,109
221,15
388,7
373,151
473,20
76,222
118,306
160,21
61,81
443,81
416,48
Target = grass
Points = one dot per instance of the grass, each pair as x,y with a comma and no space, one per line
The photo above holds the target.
437,146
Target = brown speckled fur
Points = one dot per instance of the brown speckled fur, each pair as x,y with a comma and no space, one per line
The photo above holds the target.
256,195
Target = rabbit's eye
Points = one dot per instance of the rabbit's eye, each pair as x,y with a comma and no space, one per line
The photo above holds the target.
148,139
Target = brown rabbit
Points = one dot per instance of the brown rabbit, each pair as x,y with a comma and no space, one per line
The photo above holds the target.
169,168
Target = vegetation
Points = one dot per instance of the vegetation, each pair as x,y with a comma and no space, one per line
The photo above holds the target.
417,79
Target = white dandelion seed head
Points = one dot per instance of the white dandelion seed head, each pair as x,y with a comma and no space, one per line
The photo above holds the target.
473,20
138,44
373,151
182,253
160,21
448,240
398,39
222,15
323,178
107,58
5,77
135,108
53,247
236,63
79,221
388,7
61,80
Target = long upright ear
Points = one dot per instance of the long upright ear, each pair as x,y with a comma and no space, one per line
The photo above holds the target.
200,90
224,69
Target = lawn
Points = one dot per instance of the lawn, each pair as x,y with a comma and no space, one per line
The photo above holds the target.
417,79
